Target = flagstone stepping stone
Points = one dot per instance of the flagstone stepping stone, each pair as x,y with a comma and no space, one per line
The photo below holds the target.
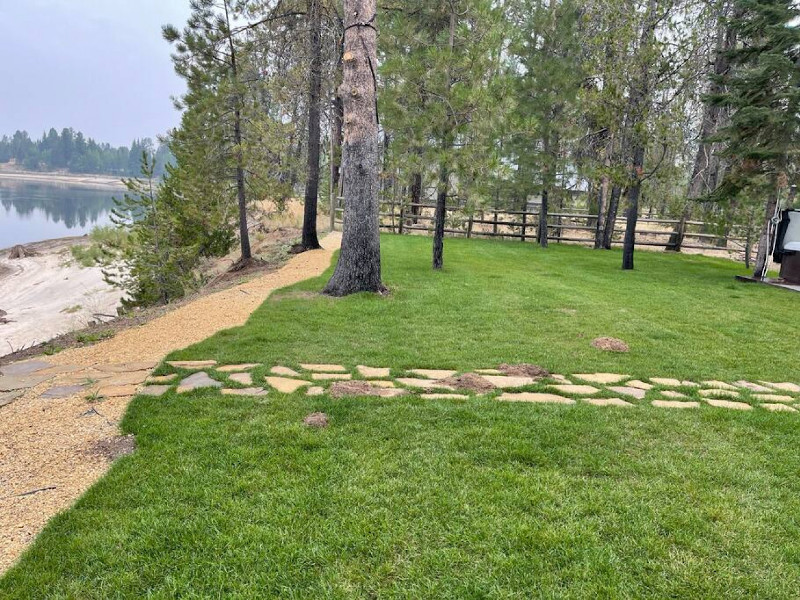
675,404
373,372
161,379
730,404
197,381
719,385
753,387
251,391
444,397
629,391
11,384
134,378
154,390
117,391
381,383
674,395
24,368
639,384
192,364
284,385
284,371
603,378
535,398
433,373
9,397
145,365
773,398
425,384
578,390
324,368
488,371
331,376
784,387
342,389
561,379
718,393
235,368
63,391
315,391
608,402
243,378
507,382
59,370
670,382
778,408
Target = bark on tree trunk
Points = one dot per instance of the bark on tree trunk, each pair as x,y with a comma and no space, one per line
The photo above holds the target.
310,240
441,211
416,196
359,266
611,217
632,213
244,234
542,231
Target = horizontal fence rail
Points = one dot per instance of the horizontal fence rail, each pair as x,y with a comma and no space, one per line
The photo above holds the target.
570,227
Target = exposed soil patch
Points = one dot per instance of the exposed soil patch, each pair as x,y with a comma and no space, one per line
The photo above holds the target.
342,389
524,370
114,448
317,420
19,252
469,382
609,344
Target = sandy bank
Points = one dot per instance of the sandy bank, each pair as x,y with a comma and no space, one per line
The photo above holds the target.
95,181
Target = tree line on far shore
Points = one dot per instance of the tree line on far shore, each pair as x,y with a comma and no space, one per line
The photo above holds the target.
73,152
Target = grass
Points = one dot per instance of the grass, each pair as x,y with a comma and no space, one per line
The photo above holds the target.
230,497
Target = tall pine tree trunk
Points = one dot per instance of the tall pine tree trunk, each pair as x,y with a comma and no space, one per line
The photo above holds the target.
611,217
310,240
543,209
441,213
632,213
359,266
602,195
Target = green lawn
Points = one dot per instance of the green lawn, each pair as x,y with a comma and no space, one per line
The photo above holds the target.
230,497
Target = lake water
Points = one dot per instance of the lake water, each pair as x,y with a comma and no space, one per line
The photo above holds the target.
33,211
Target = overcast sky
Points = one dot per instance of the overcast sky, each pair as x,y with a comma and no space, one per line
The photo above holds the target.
99,66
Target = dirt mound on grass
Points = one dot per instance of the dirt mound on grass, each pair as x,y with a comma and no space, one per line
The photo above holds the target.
524,370
317,420
341,389
609,344
469,382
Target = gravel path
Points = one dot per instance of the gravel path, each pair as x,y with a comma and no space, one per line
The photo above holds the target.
56,448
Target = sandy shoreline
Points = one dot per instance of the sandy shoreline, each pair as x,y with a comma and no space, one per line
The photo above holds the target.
95,181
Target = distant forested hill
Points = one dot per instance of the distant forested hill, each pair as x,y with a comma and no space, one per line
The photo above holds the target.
73,152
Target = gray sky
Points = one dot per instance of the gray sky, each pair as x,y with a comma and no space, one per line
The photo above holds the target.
99,66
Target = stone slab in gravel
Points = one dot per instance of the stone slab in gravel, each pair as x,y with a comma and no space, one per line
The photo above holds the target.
24,382
315,391
252,391
154,390
284,385
117,391
197,381
778,408
145,365
24,368
508,382
9,397
444,397
192,364
243,378
134,378
670,382
608,402
719,385
432,373
633,392
578,390
236,368
639,384
425,384
161,379
773,398
536,398
331,376
63,391
675,404
730,404
783,387
602,378
324,368
373,372
753,387
718,393
284,371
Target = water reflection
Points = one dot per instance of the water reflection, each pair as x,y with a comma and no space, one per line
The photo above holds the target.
36,211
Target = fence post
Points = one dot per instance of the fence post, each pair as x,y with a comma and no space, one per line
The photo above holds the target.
524,223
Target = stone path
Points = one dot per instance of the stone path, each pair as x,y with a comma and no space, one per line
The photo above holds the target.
50,442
